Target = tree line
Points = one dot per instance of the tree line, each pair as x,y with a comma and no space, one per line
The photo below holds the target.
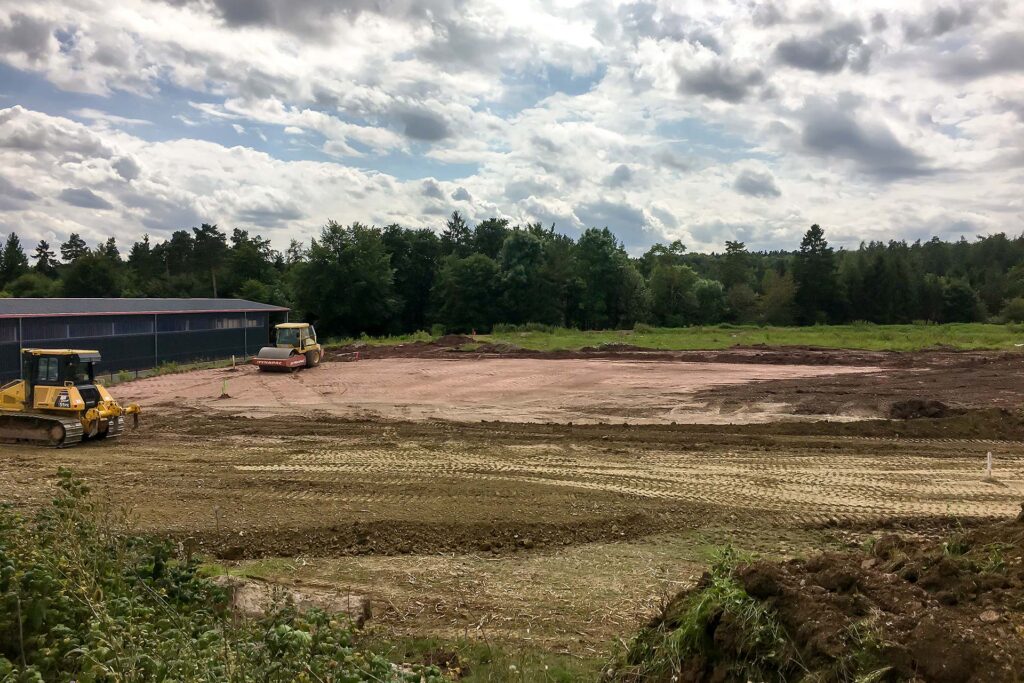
360,279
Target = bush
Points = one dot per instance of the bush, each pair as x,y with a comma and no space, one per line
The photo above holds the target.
81,601
507,328
1013,311
437,330
643,328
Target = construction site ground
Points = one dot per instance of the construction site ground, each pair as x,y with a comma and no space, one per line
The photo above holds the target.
548,501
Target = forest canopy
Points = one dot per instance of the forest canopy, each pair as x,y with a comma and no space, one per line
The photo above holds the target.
359,279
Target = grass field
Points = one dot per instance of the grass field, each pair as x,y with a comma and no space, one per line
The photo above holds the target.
869,337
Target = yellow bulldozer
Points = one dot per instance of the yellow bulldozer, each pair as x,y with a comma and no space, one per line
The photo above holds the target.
295,347
58,401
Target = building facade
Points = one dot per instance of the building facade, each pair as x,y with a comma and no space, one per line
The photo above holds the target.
135,334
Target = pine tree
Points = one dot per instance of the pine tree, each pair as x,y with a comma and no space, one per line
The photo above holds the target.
735,265
109,249
457,238
46,260
74,249
817,284
211,247
13,261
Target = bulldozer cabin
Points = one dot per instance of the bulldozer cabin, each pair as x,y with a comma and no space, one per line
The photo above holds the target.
58,402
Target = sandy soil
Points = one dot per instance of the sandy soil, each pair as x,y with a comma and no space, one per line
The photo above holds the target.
542,532
505,389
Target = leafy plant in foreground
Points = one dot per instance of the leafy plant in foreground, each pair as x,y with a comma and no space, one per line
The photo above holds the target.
79,600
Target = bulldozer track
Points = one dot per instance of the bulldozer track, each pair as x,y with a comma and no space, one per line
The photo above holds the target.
844,487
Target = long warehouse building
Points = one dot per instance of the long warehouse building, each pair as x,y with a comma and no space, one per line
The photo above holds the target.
135,334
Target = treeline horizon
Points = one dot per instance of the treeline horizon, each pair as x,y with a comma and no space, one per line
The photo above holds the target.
358,279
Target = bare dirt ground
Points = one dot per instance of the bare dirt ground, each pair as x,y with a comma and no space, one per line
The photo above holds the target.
505,521
474,388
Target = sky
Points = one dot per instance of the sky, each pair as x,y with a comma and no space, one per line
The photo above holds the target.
697,121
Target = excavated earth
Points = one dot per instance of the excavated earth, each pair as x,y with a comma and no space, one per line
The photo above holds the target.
949,610
585,486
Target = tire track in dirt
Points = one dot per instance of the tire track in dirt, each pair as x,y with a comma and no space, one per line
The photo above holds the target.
850,488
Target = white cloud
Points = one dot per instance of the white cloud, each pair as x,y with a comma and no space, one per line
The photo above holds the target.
700,121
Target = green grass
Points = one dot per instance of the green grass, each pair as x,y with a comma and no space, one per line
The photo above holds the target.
870,337
390,340
686,630
167,368
481,661
862,336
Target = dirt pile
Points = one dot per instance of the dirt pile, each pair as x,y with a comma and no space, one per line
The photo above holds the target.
915,408
949,611
457,345
964,380
415,349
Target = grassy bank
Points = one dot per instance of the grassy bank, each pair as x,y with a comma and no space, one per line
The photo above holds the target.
867,337
961,336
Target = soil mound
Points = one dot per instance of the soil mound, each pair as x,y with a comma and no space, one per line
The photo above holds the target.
452,340
414,349
916,408
907,609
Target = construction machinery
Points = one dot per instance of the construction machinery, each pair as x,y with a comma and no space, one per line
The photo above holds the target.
295,347
58,401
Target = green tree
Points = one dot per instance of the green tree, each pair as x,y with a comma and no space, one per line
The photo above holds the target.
415,258
176,253
814,271
109,250
735,265
523,285
264,292
466,293
559,274
710,297
961,303
673,299
346,286
672,254
295,253
250,257
778,304
601,267
741,303
210,248
74,249
13,262
489,236
92,276
932,298
634,298
1013,311
142,259
456,238
46,260
33,284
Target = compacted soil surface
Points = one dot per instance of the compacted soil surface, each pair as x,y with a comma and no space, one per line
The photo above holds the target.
473,388
477,493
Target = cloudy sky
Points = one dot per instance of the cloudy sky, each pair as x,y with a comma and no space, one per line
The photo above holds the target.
700,121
